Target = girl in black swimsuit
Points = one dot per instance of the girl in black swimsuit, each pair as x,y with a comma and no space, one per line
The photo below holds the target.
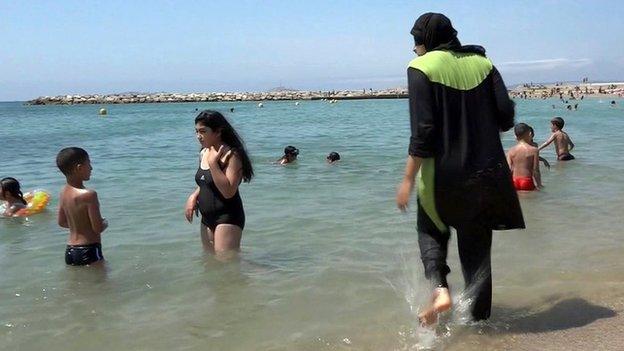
223,165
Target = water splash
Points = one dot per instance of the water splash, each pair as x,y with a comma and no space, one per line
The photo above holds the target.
416,291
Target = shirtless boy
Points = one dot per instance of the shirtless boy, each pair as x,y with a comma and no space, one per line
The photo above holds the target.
523,160
563,143
79,209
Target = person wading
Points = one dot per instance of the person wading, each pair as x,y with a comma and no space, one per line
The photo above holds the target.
458,106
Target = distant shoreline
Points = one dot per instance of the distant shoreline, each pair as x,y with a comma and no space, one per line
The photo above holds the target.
568,91
525,91
133,98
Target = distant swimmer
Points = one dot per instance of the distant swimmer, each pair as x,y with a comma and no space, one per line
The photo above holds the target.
297,103
612,102
523,160
333,157
563,143
260,104
103,112
575,107
290,155
231,109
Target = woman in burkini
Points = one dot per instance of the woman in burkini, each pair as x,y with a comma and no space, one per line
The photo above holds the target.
11,193
223,165
458,107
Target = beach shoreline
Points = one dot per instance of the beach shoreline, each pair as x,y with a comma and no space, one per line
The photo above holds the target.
526,91
292,95
568,91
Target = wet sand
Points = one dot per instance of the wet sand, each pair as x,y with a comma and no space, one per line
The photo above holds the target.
559,323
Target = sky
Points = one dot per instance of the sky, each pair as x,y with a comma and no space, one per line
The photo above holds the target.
102,47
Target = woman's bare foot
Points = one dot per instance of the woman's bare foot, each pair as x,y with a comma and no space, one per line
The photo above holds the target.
440,302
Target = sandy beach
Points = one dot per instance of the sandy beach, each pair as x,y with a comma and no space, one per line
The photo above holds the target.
590,320
568,91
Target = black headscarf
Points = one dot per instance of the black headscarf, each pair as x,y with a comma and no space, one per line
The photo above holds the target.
435,32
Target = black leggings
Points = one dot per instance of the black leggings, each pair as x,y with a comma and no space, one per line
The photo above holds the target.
474,242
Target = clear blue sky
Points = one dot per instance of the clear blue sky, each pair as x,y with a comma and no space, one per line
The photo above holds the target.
75,47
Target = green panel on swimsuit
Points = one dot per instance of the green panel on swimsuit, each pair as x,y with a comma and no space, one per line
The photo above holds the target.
426,192
462,71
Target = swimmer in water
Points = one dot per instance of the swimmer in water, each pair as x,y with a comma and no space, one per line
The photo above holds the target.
563,143
79,209
223,165
333,157
290,155
11,193
523,160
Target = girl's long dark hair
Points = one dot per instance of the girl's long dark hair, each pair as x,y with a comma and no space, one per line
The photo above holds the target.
11,185
217,122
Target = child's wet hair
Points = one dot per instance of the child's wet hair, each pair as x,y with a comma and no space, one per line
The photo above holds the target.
12,186
521,129
333,156
70,157
558,122
291,151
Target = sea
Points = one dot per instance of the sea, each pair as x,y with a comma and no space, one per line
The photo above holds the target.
327,260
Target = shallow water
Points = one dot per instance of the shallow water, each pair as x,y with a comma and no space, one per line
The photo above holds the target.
327,261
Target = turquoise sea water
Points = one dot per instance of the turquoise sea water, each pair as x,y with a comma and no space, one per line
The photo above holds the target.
327,261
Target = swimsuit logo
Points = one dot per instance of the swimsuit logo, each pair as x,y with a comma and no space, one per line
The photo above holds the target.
202,177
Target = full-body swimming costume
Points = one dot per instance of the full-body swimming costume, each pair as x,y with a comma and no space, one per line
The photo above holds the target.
82,255
458,107
214,207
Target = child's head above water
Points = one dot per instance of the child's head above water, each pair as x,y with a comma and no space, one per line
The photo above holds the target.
556,124
291,151
333,157
74,161
522,132
290,154
10,190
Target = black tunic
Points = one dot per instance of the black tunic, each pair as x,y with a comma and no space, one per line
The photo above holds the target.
458,106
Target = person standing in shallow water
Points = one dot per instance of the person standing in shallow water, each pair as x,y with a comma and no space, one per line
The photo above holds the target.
223,165
458,106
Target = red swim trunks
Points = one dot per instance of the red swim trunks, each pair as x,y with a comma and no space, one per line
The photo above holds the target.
524,183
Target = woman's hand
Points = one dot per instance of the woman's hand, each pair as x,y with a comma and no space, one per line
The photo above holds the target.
190,206
403,194
213,156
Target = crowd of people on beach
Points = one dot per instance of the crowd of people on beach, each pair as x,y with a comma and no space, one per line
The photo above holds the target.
475,187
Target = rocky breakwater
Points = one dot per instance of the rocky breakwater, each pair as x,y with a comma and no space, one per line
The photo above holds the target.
138,98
